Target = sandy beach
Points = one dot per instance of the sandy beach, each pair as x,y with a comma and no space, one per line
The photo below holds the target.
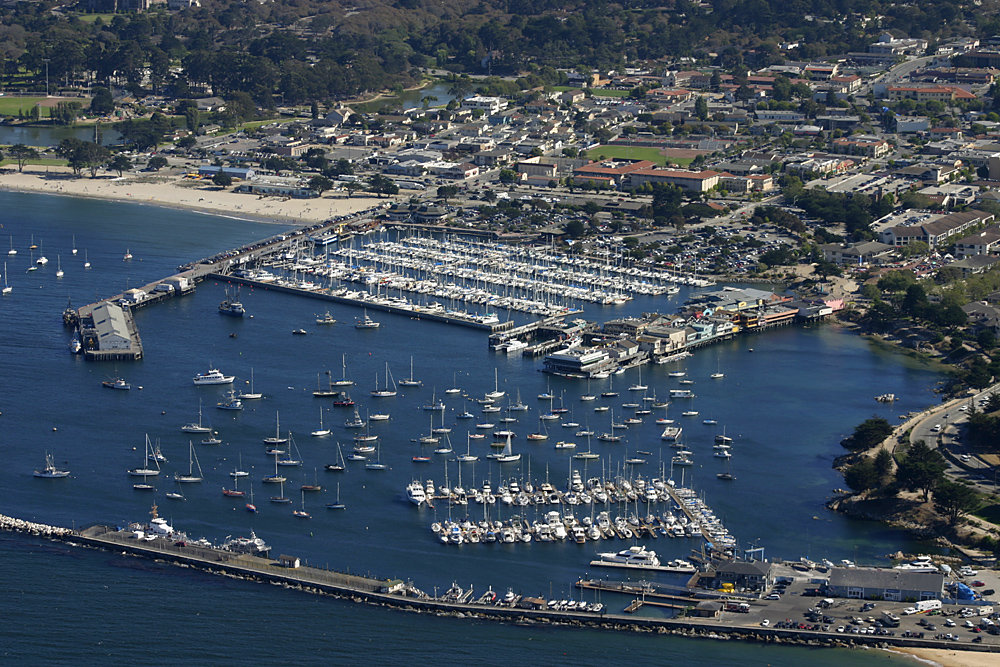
950,658
175,191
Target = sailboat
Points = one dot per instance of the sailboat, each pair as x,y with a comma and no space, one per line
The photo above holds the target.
238,471
343,381
42,259
176,495
302,513
377,464
468,456
496,393
315,486
325,393
127,256
145,471
280,498
288,460
86,260
320,431
610,393
235,491
74,251
196,427
12,251
7,289
639,386
410,381
454,389
250,506
275,478
192,462
339,466
59,271
277,439
541,433
587,455
390,386
250,395
337,505
718,374
506,456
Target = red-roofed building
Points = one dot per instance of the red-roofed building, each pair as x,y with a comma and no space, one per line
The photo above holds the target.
610,171
925,93
875,148
669,95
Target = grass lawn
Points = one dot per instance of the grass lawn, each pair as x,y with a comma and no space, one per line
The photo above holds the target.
90,18
610,92
42,162
9,106
989,513
636,153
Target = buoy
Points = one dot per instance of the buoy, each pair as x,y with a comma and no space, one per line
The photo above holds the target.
54,428
163,412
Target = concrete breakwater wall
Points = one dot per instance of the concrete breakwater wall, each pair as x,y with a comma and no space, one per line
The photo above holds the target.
391,594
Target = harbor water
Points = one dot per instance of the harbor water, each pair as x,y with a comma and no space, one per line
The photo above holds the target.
786,404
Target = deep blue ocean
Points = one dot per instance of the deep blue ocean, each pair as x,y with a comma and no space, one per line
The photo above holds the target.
787,404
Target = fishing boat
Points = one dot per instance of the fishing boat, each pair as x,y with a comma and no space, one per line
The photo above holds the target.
75,346
116,383
321,431
345,402
343,381
366,322
231,305
213,376
192,463
336,505
326,319
7,289
196,427
277,439
230,401
212,439
410,381
250,395
50,471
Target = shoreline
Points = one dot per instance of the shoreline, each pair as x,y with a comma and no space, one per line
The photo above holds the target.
174,192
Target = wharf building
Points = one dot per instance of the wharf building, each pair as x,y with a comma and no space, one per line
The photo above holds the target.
890,584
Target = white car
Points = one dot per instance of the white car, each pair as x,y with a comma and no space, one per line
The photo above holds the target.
765,623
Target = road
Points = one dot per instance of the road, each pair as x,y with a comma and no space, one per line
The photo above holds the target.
944,426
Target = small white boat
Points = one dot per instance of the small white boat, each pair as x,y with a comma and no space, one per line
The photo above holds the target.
127,257
213,376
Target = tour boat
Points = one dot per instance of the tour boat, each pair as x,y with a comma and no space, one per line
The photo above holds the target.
213,376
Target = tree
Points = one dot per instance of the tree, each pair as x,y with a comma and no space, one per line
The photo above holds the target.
862,475
320,184
954,499
222,179
447,191
867,434
120,163
382,185
22,154
701,108
883,464
192,118
353,187
187,142
156,162
922,469
507,176
575,228
102,103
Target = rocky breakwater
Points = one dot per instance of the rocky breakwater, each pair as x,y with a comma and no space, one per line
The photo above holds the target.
21,526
